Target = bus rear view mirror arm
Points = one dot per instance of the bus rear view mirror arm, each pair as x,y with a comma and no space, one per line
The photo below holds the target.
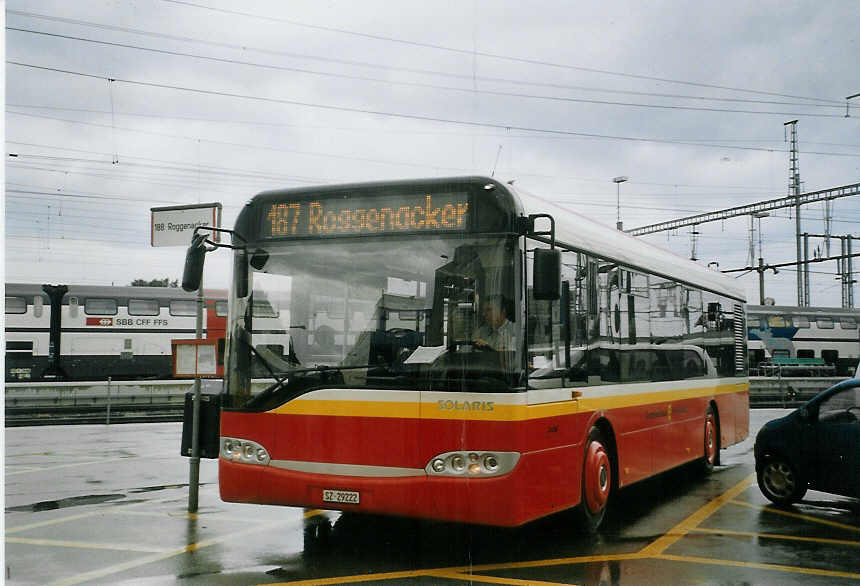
195,256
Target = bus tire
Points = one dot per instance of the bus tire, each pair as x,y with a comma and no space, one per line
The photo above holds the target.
596,481
711,455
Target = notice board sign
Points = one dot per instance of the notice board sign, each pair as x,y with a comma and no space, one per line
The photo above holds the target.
174,225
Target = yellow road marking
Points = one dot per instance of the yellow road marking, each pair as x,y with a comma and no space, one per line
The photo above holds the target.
491,579
681,529
187,515
465,572
809,518
356,579
847,542
113,509
85,544
586,559
757,566
107,571
71,465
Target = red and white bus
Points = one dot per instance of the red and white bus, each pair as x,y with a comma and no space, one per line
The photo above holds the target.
458,349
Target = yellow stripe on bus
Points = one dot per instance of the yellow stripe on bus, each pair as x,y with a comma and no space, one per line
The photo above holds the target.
475,406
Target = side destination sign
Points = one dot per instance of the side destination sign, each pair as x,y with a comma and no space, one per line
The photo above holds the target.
343,216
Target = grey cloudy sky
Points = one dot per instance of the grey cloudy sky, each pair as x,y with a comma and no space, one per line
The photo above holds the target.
216,101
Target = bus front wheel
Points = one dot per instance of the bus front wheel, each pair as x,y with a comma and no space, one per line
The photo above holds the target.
596,480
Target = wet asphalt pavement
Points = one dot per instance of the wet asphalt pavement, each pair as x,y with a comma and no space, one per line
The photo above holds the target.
108,505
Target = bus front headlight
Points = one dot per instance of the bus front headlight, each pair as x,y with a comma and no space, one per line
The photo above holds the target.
244,451
472,464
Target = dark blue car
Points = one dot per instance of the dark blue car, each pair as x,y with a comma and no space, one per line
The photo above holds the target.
816,446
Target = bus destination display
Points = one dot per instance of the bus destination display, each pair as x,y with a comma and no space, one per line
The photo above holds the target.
399,214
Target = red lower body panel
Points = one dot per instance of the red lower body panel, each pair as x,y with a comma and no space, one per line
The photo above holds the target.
509,500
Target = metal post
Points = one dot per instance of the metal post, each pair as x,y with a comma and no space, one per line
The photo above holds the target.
842,276
619,225
806,300
107,419
794,189
760,281
194,464
850,274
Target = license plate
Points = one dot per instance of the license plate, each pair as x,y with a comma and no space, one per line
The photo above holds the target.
349,497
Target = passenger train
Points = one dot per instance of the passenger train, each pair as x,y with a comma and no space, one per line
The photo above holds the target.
125,333
79,332
803,341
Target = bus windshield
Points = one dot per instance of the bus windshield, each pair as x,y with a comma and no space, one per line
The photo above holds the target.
434,313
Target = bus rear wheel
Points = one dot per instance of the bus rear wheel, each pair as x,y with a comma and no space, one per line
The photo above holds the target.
711,442
596,480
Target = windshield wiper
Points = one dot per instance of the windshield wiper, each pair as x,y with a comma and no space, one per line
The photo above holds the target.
296,377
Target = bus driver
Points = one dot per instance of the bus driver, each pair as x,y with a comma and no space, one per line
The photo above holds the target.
497,332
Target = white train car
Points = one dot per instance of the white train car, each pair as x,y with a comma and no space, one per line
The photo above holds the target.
101,331
800,337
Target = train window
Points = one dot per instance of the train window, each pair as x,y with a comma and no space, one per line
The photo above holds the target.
801,321
848,323
806,353
38,304
16,305
100,306
143,307
221,308
183,307
825,323
778,321
830,356
19,346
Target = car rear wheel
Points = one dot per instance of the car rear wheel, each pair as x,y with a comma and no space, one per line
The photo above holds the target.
780,482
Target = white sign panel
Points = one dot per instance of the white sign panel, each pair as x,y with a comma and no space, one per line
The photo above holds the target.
174,226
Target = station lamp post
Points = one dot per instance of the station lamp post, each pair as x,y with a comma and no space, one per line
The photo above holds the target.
618,181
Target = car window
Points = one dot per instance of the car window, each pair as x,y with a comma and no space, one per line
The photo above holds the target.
843,407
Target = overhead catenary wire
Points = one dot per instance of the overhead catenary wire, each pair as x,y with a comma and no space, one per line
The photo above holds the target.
410,131
423,117
468,123
471,52
471,90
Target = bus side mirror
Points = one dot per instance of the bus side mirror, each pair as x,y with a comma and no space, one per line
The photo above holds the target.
194,257
547,274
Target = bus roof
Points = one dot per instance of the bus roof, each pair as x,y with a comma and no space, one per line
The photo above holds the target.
582,233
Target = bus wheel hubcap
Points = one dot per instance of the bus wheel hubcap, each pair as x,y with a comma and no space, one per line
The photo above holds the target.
597,477
710,444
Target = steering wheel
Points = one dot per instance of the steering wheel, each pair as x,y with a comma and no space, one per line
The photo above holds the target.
483,347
